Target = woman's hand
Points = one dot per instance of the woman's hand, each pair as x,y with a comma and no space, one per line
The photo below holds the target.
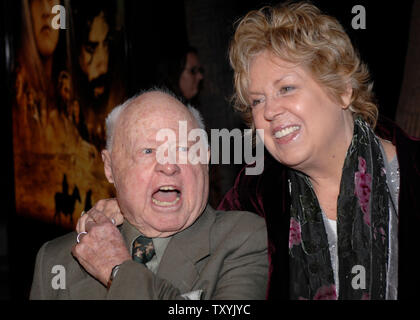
106,207
102,245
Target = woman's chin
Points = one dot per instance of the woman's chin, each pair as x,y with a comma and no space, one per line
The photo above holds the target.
293,159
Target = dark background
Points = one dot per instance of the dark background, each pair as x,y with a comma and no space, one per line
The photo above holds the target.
155,28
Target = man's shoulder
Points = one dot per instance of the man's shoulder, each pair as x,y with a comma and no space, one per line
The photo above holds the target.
60,248
237,224
239,218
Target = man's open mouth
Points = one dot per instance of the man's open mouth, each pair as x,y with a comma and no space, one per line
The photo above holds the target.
166,196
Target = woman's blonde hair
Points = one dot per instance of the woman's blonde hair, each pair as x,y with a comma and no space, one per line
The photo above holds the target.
300,33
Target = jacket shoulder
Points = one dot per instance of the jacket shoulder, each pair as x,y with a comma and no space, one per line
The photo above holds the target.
243,219
55,257
60,248
57,252
236,227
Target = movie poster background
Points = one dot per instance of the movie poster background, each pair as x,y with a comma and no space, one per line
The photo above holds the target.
66,81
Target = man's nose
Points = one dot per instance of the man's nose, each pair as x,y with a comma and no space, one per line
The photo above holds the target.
273,107
168,169
101,60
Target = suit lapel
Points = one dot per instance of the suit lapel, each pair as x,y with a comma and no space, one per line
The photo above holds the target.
178,264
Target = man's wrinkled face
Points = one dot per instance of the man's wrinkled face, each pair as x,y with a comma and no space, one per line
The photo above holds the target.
94,55
46,37
158,199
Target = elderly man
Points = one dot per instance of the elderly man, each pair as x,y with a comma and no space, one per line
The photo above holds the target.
171,244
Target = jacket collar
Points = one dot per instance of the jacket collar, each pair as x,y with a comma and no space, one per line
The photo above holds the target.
178,264
185,249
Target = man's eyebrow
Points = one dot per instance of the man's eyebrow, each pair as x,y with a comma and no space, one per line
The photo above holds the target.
149,140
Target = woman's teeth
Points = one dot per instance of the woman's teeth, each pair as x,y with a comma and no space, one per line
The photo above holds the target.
285,131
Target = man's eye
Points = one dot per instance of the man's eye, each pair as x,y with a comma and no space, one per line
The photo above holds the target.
183,149
147,151
90,47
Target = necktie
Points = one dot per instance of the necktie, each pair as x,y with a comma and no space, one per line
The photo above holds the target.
143,250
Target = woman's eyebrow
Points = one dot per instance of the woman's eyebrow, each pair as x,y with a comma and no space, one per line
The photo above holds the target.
276,82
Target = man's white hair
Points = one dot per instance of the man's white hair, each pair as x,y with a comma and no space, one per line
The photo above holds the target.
113,116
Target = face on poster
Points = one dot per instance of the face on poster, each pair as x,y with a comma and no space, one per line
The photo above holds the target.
66,82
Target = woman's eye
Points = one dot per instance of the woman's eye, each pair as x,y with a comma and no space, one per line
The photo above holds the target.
286,89
183,149
255,102
147,151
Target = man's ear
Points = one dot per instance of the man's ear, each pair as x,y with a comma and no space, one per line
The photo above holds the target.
106,158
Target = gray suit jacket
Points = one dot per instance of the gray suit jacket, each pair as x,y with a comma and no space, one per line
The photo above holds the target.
222,253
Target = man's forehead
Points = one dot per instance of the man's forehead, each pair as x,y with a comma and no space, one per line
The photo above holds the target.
99,28
157,105
155,111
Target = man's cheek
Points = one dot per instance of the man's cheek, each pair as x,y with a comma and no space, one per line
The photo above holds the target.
135,184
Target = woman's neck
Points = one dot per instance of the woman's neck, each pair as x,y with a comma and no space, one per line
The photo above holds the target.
326,185
326,170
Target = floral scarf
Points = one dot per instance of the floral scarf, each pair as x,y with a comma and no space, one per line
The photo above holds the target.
362,228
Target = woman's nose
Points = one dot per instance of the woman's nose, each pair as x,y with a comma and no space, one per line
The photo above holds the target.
273,107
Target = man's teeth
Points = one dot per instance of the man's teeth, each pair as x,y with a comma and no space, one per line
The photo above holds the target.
165,203
166,188
285,131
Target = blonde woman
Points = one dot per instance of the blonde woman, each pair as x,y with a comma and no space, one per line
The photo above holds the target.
339,198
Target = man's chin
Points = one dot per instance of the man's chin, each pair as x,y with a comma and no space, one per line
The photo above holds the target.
98,91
